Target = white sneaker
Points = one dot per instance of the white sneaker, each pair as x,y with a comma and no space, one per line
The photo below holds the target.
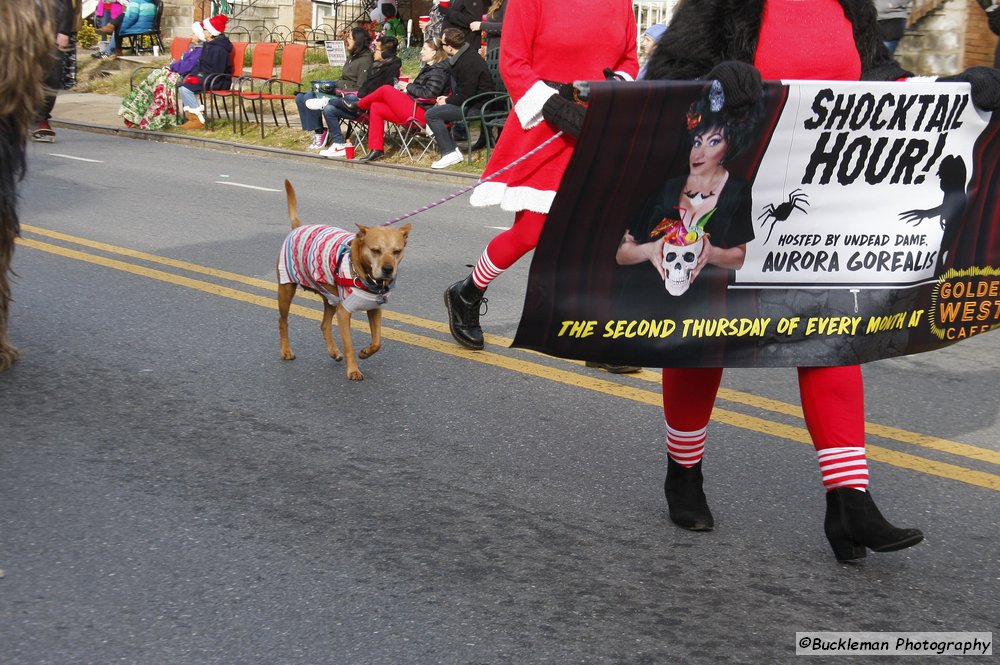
317,103
452,158
335,150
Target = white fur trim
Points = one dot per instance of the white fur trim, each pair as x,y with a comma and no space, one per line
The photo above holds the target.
512,199
625,75
529,107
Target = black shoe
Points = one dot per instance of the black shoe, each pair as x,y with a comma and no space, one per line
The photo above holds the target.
372,156
463,300
853,522
614,369
350,107
685,497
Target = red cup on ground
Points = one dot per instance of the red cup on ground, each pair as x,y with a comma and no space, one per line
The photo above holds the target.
349,151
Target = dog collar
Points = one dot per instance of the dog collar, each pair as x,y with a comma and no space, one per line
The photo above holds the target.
369,284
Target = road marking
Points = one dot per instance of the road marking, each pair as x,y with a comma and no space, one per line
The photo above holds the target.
239,184
79,159
571,378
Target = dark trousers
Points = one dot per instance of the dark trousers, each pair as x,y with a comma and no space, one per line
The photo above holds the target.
438,117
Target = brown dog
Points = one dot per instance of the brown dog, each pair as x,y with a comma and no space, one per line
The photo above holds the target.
351,272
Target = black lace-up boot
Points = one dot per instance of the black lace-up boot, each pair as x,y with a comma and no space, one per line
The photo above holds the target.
853,523
463,300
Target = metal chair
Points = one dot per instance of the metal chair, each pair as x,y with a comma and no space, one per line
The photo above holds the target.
292,58
239,50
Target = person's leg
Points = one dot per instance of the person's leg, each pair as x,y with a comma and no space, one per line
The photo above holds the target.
43,131
312,121
438,118
376,126
463,298
688,399
833,406
192,109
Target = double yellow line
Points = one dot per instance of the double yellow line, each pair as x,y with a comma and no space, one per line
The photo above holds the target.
520,365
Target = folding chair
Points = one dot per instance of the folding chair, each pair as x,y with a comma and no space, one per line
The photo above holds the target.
413,134
292,59
239,49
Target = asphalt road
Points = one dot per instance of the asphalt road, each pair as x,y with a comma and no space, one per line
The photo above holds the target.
172,492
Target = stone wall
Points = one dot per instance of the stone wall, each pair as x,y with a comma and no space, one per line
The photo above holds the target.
934,45
178,15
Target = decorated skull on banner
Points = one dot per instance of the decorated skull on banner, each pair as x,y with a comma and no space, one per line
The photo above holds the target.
678,263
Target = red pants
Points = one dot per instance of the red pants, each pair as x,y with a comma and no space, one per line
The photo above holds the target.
387,103
832,402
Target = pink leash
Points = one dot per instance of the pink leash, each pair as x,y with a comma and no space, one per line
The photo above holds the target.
473,186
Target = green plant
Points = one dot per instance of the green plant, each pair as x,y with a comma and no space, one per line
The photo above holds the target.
87,36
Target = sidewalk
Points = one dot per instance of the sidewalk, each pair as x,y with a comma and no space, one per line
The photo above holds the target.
99,113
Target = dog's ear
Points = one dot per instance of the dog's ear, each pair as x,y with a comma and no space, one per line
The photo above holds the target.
362,230
405,228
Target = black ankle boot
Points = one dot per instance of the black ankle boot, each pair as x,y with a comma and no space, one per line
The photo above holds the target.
853,522
463,300
372,156
685,497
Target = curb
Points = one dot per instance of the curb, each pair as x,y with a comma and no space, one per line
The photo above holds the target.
415,172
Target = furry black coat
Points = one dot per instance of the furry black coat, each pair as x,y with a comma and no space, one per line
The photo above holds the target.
704,33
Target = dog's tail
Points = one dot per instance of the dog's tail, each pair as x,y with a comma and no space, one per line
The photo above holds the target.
293,206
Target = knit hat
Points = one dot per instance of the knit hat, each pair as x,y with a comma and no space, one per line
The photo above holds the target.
198,30
655,31
216,25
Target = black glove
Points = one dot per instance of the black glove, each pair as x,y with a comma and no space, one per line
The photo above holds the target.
612,76
564,114
985,82
741,83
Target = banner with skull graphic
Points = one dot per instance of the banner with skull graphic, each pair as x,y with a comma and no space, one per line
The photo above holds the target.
829,224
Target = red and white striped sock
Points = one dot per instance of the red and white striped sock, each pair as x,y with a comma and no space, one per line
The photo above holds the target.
485,271
685,448
843,467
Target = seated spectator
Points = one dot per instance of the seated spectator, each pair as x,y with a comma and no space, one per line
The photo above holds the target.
397,104
215,69
650,39
892,16
107,18
150,105
470,77
352,77
139,17
385,71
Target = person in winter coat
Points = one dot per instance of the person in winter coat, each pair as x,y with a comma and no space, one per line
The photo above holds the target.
462,14
491,25
107,18
993,19
404,101
544,44
151,103
385,71
215,70
352,77
65,16
470,77
739,42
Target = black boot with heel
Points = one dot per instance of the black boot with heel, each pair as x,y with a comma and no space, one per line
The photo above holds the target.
854,523
463,300
686,498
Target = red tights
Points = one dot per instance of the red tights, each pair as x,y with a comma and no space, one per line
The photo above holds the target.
832,403
387,103
509,246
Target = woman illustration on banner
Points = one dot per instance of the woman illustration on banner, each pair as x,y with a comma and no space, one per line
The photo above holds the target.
699,223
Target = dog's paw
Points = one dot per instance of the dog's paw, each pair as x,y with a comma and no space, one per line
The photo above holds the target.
287,355
336,355
356,376
368,351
